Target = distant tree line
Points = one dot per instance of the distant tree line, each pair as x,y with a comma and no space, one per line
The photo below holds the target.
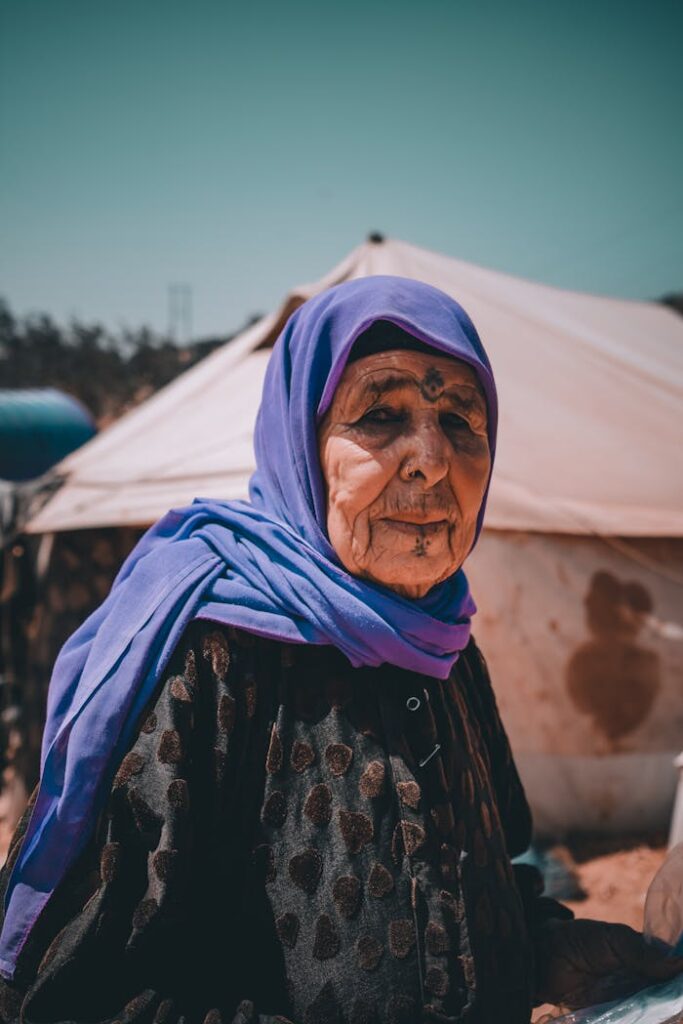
675,301
109,372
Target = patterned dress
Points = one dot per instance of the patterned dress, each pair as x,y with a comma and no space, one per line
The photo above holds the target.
292,839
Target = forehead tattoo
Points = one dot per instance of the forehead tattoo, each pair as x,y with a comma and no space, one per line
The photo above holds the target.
432,385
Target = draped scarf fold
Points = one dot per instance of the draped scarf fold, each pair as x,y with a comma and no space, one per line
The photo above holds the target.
265,565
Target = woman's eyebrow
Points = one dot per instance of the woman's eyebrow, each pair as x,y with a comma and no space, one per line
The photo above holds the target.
373,388
467,397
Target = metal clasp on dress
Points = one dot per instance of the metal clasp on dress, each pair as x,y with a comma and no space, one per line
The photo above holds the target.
414,703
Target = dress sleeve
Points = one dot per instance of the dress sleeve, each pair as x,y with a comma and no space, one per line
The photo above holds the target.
139,931
513,807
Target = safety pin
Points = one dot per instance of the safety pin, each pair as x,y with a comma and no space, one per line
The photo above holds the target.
436,749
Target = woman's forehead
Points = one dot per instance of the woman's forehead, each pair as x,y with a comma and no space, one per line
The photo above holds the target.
433,373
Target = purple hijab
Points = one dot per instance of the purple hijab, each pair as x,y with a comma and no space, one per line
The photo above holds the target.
265,565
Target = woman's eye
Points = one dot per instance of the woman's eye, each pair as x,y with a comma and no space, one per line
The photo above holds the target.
382,415
451,421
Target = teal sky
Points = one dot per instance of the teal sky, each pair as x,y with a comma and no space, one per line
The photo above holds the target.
244,148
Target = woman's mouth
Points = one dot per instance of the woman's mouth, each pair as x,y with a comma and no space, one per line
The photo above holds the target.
420,529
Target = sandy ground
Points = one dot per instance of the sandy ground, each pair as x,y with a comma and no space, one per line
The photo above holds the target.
615,875
616,881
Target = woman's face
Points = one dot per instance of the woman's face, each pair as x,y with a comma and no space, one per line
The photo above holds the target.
405,458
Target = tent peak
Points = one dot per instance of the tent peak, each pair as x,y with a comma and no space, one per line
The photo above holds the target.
376,237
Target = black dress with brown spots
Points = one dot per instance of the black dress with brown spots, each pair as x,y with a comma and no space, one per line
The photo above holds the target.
290,838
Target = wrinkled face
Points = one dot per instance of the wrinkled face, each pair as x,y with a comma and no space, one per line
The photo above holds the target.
405,458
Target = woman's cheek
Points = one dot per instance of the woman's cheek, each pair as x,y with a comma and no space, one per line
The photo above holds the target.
361,537
354,482
462,542
361,478
468,481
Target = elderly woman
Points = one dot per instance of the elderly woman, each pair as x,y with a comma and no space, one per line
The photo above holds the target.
316,810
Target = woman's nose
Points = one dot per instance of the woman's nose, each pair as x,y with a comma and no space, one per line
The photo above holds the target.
427,455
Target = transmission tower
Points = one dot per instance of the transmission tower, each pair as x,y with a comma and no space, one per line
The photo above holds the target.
180,313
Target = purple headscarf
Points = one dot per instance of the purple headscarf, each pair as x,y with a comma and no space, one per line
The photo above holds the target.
266,566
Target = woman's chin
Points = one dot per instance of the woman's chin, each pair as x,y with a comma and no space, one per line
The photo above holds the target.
411,577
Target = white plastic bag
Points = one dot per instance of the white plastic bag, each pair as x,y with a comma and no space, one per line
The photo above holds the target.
658,1004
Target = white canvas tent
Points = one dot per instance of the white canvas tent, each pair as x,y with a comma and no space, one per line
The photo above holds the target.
588,478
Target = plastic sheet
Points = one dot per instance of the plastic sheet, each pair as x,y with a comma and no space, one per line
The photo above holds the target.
657,1004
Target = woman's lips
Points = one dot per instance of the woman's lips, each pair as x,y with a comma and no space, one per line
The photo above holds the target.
423,529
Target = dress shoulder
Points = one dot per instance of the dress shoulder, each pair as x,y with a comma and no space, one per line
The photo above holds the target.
128,933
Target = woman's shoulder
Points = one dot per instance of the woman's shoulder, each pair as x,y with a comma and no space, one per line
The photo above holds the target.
471,682
205,643
216,648
220,673
471,665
